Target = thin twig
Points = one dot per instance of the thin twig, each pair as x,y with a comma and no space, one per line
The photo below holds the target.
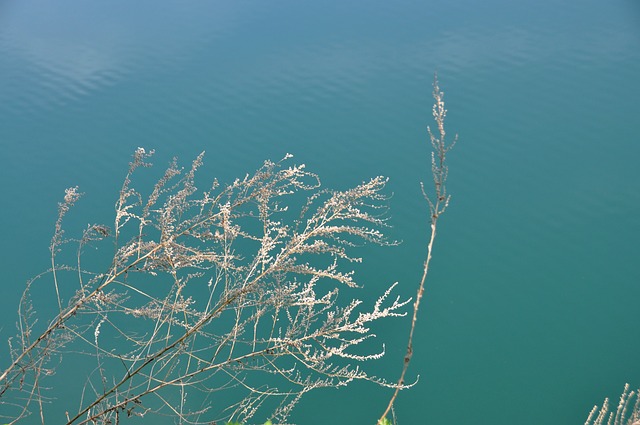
436,208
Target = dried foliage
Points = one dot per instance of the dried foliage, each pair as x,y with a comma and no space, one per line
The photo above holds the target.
623,415
438,202
235,289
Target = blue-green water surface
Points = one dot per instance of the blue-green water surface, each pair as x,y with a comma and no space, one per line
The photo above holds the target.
531,310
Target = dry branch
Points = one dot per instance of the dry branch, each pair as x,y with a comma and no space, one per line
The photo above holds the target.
438,203
226,289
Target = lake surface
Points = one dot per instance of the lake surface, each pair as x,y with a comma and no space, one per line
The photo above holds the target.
531,310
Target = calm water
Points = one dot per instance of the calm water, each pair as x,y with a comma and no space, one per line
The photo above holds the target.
532,305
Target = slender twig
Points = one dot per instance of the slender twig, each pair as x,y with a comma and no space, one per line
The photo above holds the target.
437,206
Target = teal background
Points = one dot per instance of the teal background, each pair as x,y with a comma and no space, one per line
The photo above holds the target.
531,309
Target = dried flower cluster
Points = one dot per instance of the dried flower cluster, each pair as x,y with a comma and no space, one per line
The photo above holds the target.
233,288
622,416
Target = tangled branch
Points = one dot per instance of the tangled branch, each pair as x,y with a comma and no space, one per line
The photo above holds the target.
227,289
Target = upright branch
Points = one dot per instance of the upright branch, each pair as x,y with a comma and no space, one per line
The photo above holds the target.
231,290
438,202
71,196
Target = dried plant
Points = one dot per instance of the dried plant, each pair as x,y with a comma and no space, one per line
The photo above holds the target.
622,415
438,203
235,289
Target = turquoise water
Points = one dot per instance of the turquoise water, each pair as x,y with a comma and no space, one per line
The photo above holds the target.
531,309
